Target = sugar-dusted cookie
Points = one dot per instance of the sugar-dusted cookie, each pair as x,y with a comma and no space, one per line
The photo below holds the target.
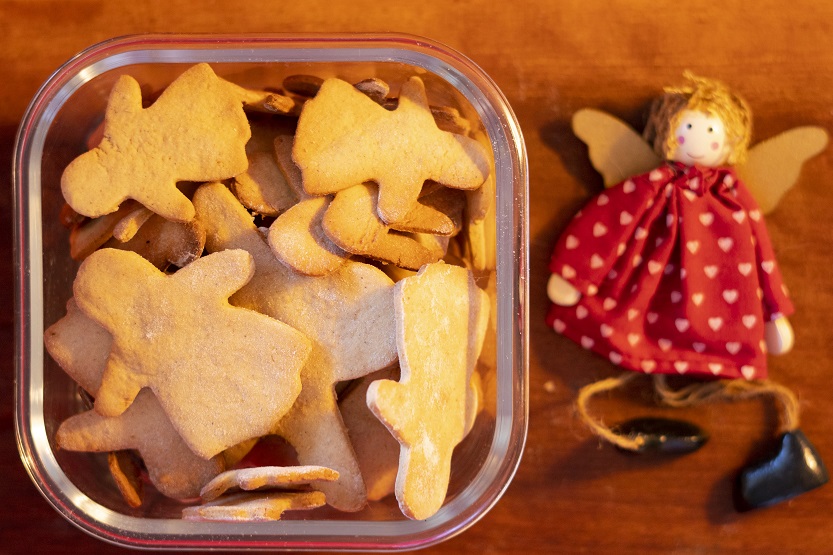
195,131
126,472
344,138
262,188
481,223
254,507
163,242
266,477
377,452
438,211
346,314
172,467
80,347
441,318
298,239
291,172
352,222
207,361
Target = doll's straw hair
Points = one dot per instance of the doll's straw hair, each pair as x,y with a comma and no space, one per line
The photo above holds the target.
702,95
690,395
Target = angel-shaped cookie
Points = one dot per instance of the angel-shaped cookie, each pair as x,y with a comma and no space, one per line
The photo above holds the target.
670,270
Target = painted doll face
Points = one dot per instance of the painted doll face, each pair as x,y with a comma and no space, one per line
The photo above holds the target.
700,139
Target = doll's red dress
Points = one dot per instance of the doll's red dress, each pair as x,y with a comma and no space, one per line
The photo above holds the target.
677,275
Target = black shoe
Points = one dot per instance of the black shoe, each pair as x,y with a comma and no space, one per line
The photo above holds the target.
794,468
662,435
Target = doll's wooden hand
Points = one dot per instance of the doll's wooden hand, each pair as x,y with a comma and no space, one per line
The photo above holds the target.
561,292
779,336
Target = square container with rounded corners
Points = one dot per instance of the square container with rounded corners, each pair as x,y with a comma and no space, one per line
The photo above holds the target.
54,130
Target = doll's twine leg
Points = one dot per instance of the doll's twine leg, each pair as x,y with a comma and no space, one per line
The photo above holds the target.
596,425
727,390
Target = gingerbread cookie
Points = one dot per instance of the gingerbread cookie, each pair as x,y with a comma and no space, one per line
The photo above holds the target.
195,131
173,468
344,139
346,314
441,318
166,330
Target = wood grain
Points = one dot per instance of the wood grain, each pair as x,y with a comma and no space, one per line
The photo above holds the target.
570,495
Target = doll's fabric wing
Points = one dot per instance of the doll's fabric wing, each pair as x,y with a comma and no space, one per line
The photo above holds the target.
616,150
772,166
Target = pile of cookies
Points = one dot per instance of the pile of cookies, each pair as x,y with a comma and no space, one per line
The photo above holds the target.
308,264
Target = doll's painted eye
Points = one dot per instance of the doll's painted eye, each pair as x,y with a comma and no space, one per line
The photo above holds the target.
688,126
711,129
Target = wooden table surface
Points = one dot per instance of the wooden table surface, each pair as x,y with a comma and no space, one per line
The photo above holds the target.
571,494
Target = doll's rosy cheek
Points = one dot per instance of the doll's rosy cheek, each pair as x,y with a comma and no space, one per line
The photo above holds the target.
715,145
680,139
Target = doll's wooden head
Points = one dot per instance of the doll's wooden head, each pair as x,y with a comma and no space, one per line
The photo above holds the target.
700,122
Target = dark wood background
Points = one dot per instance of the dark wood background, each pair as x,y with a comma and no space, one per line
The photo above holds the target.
571,494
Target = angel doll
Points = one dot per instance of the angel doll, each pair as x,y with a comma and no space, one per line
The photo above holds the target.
671,271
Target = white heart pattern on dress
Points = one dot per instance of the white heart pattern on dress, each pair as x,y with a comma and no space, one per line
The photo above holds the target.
716,323
745,268
625,218
747,371
706,218
629,186
571,242
681,366
749,320
596,262
606,330
648,366
599,229
665,345
725,243
682,324
733,347
581,312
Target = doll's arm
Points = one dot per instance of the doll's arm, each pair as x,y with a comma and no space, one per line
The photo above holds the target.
561,292
779,336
